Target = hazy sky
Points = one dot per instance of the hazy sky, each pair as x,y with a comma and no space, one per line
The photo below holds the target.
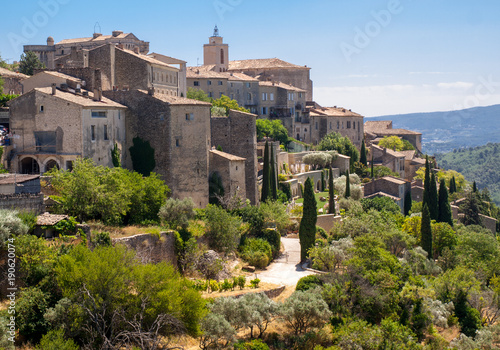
375,57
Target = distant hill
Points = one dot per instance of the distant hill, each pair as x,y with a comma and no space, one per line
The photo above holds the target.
480,164
445,131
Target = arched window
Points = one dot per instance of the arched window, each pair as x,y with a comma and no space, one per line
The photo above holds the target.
222,56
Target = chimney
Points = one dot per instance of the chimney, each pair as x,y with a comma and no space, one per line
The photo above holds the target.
53,89
96,35
136,50
151,91
115,33
97,94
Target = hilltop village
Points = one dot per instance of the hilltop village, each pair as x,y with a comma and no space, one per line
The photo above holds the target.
147,204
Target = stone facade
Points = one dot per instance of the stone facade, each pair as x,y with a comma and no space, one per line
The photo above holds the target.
325,120
51,127
237,135
50,52
392,159
24,201
215,84
375,130
231,169
17,184
388,186
216,52
12,81
178,129
47,78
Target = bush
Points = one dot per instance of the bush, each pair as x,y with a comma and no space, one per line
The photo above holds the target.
255,344
380,204
308,282
55,339
10,224
257,252
102,239
255,283
176,213
223,229
273,237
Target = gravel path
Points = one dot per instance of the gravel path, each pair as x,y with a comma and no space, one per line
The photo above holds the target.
286,269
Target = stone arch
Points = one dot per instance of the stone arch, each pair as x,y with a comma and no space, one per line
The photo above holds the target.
51,163
29,165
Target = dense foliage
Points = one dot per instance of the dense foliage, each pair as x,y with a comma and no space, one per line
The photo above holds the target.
273,129
112,195
336,142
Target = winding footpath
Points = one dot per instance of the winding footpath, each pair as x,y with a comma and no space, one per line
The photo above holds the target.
286,269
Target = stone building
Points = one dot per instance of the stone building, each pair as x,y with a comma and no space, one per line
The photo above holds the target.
237,135
50,52
325,120
376,130
245,90
180,65
178,129
214,84
51,127
394,160
388,186
216,52
412,164
47,78
12,81
231,170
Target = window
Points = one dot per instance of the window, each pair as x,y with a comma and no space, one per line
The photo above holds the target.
249,96
271,96
196,83
210,94
348,126
220,94
220,82
222,56
300,94
264,110
338,125
248,85
209,82
69,165
189,116
290,96
354,125
177,143
316,126
231,84
98,114
106,132
264,96
45,141
92,132
41,109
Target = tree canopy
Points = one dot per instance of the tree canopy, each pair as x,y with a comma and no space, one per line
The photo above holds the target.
29,62
396,143
273,129
336,142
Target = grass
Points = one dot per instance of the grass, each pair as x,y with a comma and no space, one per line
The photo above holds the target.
317,195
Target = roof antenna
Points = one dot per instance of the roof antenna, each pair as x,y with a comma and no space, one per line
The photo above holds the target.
95,26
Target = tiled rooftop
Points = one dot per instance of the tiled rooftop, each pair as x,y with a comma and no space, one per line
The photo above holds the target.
333,112
262,63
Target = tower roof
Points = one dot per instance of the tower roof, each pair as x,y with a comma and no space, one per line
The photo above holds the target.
216,31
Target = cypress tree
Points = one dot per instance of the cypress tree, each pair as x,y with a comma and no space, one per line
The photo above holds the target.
265,175
427,182
454,185
347,186
362,156
307,229
331,192
372,168
433,198
407,206
273,176
426,232
444,206
474,187
323,182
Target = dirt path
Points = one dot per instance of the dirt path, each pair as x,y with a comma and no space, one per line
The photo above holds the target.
285,270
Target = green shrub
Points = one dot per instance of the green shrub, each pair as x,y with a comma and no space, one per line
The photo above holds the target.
308,282
102,239
55,339
273,237
242,280
226,285
214,285
257,252
255,344
255,283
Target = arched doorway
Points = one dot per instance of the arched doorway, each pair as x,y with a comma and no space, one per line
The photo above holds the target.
51,164
30,165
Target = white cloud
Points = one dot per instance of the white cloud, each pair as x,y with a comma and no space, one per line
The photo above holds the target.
455,85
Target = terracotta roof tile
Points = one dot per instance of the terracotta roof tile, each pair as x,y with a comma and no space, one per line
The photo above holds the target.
227,155
262,64
47,219
205,72
333,112
281,85
80,100
8,73
8,179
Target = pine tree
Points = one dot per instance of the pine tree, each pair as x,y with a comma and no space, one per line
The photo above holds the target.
265,175
331,192
444,206
362,156
407,206
474,187
433,198
273,176
347,186
426,231
307,229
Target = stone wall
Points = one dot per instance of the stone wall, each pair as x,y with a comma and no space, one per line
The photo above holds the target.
232,172
24,201
327,221
237,135
151,248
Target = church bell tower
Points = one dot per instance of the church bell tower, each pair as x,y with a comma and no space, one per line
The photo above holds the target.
216,52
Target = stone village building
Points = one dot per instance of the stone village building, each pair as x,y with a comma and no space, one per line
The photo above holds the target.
12,81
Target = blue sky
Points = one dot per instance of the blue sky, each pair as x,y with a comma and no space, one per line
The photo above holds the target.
375,57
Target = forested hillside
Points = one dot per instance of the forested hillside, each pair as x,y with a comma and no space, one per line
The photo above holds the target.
480,164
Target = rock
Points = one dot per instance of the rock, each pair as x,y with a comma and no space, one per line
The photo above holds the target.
249,268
